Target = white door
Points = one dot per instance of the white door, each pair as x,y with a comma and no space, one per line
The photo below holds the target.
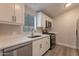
19,13
6,12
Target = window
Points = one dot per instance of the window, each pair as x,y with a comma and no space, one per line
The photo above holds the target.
29,23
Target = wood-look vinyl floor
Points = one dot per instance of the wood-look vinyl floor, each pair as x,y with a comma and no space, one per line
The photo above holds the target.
61,51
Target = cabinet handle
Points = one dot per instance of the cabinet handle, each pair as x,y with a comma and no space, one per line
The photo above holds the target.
40,45
13,18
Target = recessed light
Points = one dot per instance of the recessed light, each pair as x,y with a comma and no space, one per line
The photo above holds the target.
68,4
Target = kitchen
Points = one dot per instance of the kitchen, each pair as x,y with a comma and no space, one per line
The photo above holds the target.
34,29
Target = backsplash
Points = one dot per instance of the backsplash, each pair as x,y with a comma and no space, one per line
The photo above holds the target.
40,29
9,29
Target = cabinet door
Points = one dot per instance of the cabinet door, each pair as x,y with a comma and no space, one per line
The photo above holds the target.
46,44
41,46
43,20
19,13
37,46
6,12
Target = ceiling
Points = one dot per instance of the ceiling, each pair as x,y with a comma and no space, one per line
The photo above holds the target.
51,9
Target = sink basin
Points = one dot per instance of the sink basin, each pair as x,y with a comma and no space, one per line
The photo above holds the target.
34,36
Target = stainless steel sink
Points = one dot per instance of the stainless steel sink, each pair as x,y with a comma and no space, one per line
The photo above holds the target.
34,36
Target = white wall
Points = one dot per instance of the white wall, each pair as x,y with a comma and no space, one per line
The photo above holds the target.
65,28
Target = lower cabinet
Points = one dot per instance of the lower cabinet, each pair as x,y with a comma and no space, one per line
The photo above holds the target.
34,48
40,46
46,44
37,48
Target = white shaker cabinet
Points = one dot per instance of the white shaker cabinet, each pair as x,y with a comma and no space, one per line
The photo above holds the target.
6,12
37,48
46,44
12,13
19,13
41,19
40,46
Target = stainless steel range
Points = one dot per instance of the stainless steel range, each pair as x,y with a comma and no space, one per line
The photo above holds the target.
52,39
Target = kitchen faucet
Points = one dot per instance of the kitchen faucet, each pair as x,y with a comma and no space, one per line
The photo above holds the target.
32,32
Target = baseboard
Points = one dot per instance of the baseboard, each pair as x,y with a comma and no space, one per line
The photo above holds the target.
71,46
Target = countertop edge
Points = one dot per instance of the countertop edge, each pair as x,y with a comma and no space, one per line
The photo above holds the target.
24,42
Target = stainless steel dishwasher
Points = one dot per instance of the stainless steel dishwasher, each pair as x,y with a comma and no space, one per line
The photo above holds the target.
24,49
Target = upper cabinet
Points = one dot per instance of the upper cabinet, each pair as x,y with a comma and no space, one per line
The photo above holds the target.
6,12
41,20
12,14
19,13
